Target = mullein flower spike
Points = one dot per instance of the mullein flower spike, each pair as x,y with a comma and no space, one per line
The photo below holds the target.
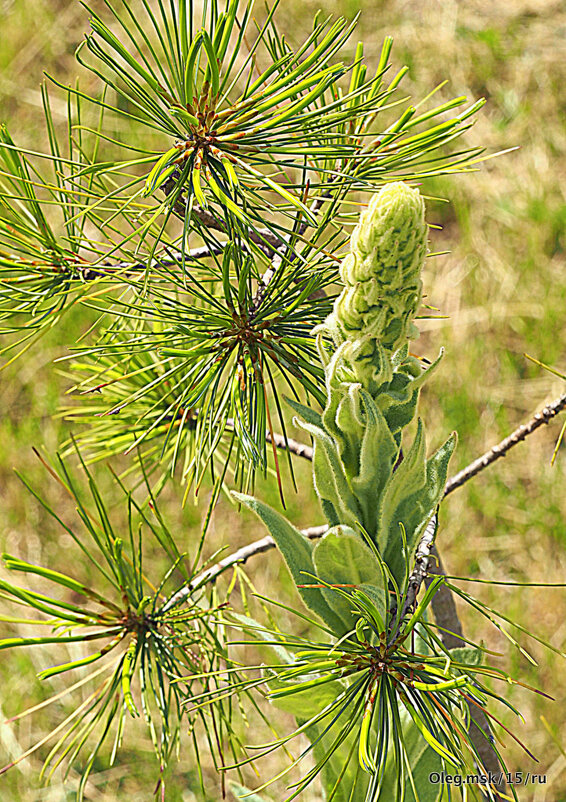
378,501
372,320
382,273
373,383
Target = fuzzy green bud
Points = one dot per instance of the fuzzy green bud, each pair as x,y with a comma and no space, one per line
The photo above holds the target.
382,273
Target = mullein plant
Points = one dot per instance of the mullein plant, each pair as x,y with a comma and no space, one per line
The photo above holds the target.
382,700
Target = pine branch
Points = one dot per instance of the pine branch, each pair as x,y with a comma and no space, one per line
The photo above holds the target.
281,253
296,448
263,237
421,568
91,272
500,450
238,557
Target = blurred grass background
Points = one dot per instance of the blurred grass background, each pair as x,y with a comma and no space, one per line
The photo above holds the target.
503,288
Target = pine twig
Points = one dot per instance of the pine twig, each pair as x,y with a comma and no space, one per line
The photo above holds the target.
500,450
238,557
418,575
296,448
421,567
263,237
280,254
90,272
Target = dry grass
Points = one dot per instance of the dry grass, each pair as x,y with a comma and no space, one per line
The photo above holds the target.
503,287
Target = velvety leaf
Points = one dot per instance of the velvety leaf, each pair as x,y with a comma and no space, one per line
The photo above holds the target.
297,553
412,501
470,655
377,595
423,761
343,421
307,703
306,413
402,395
257,630
341,557
329,477
377,454
408,479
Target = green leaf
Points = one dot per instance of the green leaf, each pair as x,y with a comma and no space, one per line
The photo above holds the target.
415,491
342,558
330,479
306,413
469,655
428,736
154,178
341,773
272,643
377,455
423,761
297,553
307,703
100,28
189,82
212,69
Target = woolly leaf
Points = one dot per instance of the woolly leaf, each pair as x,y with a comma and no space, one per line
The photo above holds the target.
308,703
423,761
470,655
409,478
306,413
377,455
342,558
271,643
414,509
297,553
241,792
330,479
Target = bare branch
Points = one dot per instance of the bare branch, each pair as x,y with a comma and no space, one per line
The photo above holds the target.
238,557
89,272
500,450
443,604
299,449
